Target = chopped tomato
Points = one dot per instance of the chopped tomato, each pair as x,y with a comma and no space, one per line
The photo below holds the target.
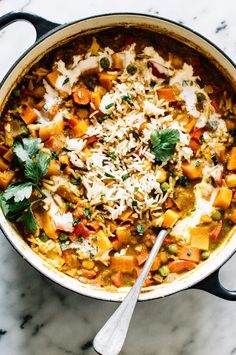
148,282
168,240
156,72
219,179
217,230
117,279
81,231
73,121
73,237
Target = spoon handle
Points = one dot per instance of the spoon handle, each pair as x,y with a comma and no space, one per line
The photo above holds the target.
110,339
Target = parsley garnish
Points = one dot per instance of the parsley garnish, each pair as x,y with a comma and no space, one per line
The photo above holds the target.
109,176
140,229
109,106
87,213
14,200
214,159
76,181
80,239
164,143
63,166
127,98
54,156
66,81
134,203
183,180
198,163
135,134
136,189
125,176
76,222
112,155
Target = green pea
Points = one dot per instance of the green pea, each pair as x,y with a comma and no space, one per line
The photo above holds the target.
173,249
205,254
216,215
43,237
164,186
164,270
16,93
63,238
131,69
105,63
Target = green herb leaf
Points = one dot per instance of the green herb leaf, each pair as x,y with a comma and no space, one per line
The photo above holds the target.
109,176
198,163
134,203
66,81
164,143
54,156
37,168
135,134
183,181
127,98
76,181
87,213
140,229
125,176
28,220
11,210
112,155
76,222
27,149
109,106
18,191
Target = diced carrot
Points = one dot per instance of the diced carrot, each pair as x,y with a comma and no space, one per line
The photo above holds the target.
117,279
116,243
91,139
123,234
142,256
190,125
124,263
3,164
80,128
223,198
200,240
8,155
3,149
197,133
52,129
194,145
96,98
46,222
232,216
166,94
81,231
117,61
81,96
70,258
125,216
189,253
170,218
6,178
54,169
52,77
156,264
217,230
106,79
231,164
103,242
181,265
28,115
231,180
191,170
220,151
215,104
54,143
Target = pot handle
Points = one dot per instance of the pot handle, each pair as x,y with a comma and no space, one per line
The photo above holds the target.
41,25
213,285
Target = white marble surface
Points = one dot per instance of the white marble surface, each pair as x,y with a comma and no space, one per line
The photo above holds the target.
37,317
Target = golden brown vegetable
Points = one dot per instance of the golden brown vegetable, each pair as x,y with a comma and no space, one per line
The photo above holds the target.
223,198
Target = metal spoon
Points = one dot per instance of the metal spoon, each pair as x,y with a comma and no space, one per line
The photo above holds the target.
110,339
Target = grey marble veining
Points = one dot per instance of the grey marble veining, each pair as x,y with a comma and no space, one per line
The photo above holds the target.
37,317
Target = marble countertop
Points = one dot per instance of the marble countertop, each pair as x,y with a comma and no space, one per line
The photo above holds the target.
37,317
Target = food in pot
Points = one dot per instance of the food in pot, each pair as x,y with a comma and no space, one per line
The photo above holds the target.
110,138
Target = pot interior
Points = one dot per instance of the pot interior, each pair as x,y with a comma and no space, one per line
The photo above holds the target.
63,35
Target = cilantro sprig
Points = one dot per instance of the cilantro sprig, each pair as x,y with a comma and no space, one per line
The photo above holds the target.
16,201
164,143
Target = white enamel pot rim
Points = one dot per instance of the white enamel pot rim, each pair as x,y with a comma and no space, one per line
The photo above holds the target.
50,35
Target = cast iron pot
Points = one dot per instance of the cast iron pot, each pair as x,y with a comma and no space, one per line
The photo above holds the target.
50,35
